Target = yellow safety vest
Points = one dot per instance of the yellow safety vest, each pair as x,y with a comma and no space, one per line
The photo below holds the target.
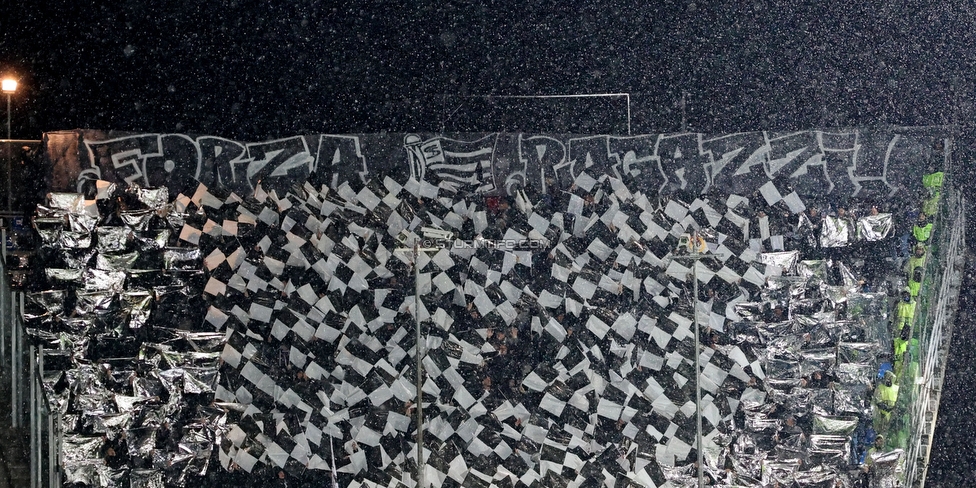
915,277
914,287
904,314
886,396
933,180
931,205
914,262
922,234
901,347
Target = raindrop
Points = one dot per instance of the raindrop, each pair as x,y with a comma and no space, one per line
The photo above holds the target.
448,38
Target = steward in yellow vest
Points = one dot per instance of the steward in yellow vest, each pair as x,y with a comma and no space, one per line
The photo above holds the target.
915,269
904,311
933,183
931,204
917,260
901,343
922,230
885,398
915,281
873,453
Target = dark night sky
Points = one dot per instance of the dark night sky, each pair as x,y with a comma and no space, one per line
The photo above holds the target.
254,70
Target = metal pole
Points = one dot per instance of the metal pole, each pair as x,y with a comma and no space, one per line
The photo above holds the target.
10,167
34,465
43,408
51,456
38,433
13,364
335,483
684,119
58,453
43,415
420,365
19,337
19,300
628,113
4,301
698,409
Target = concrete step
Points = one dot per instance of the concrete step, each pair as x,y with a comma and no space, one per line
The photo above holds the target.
20,476
4,476
14,453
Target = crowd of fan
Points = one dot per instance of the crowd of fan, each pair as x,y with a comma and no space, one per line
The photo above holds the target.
894,263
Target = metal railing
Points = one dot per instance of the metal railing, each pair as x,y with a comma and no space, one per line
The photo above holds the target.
921,384
30,419
934,333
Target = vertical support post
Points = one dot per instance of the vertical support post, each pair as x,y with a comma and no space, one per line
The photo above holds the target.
684,118
43,415
694,256
32,417
57,451
628,112
52,460
10,164
698,409
44,424
14,367
19,337
38,419
420,365
5,298
335,484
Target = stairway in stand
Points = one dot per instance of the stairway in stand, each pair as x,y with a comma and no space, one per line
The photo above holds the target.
15,469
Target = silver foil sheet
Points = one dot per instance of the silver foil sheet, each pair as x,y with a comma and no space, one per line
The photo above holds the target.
786,260
75,239
836,232
874,227
182,258
73,203
49,229
113,239
116,261
137,220
152,198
